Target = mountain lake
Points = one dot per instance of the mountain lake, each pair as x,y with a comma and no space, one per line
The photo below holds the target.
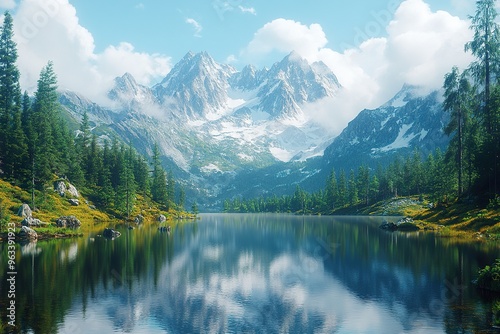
253,273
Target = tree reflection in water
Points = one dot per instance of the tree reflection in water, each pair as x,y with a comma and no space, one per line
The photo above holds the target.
253,273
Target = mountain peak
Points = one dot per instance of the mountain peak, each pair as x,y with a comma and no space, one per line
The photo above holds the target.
126,84
293,59
188,55
406,93
197,83
292,82
294,56
127,79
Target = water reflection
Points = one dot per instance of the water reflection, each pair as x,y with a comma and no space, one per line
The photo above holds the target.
255,274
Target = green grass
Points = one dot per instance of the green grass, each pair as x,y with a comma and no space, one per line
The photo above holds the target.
50,206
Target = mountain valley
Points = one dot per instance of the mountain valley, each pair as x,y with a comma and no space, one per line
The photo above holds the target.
227,133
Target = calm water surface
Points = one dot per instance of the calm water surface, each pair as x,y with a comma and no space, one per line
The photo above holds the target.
253,274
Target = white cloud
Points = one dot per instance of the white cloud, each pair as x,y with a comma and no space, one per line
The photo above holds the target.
249,10
50,30
8,4
197,26
284,36
231,59
420,47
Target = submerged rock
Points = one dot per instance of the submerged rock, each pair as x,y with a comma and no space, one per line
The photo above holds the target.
109,233
389,226
405,224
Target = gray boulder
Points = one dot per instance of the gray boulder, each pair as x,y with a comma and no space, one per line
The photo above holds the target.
63,187
72,191
162,218
74,202
30,221
24,211
60,187
68,221
27,234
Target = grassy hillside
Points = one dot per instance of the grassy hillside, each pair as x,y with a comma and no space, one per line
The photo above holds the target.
50,206
455,219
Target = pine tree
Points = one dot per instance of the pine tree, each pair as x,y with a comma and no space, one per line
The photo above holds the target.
170,188
141,174
105,192
364,183
18,158
194,208
159,179
353,189
342,189
485,46
126,189
44,114
331,191
82,144
457,97
182,198
13,147
93,163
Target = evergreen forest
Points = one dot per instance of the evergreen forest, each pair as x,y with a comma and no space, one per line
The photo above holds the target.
37,147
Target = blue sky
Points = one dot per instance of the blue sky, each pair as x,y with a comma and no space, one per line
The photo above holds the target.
374,47
224,28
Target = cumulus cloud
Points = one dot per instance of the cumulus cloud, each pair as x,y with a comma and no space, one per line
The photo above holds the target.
419,47
196,25
284,36
50,30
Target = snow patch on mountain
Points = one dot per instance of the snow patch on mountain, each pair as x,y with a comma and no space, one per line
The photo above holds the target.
402,140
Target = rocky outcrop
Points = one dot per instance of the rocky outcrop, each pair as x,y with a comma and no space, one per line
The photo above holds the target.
65,188
162,218
24,211
404,224
389,226
27,234
30,222
68,221
72,191
109,233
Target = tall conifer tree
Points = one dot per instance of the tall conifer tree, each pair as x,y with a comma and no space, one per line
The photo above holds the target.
12,138
45,108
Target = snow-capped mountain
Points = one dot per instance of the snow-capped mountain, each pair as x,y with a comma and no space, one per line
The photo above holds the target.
293,82
197,86
406,122
221,129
